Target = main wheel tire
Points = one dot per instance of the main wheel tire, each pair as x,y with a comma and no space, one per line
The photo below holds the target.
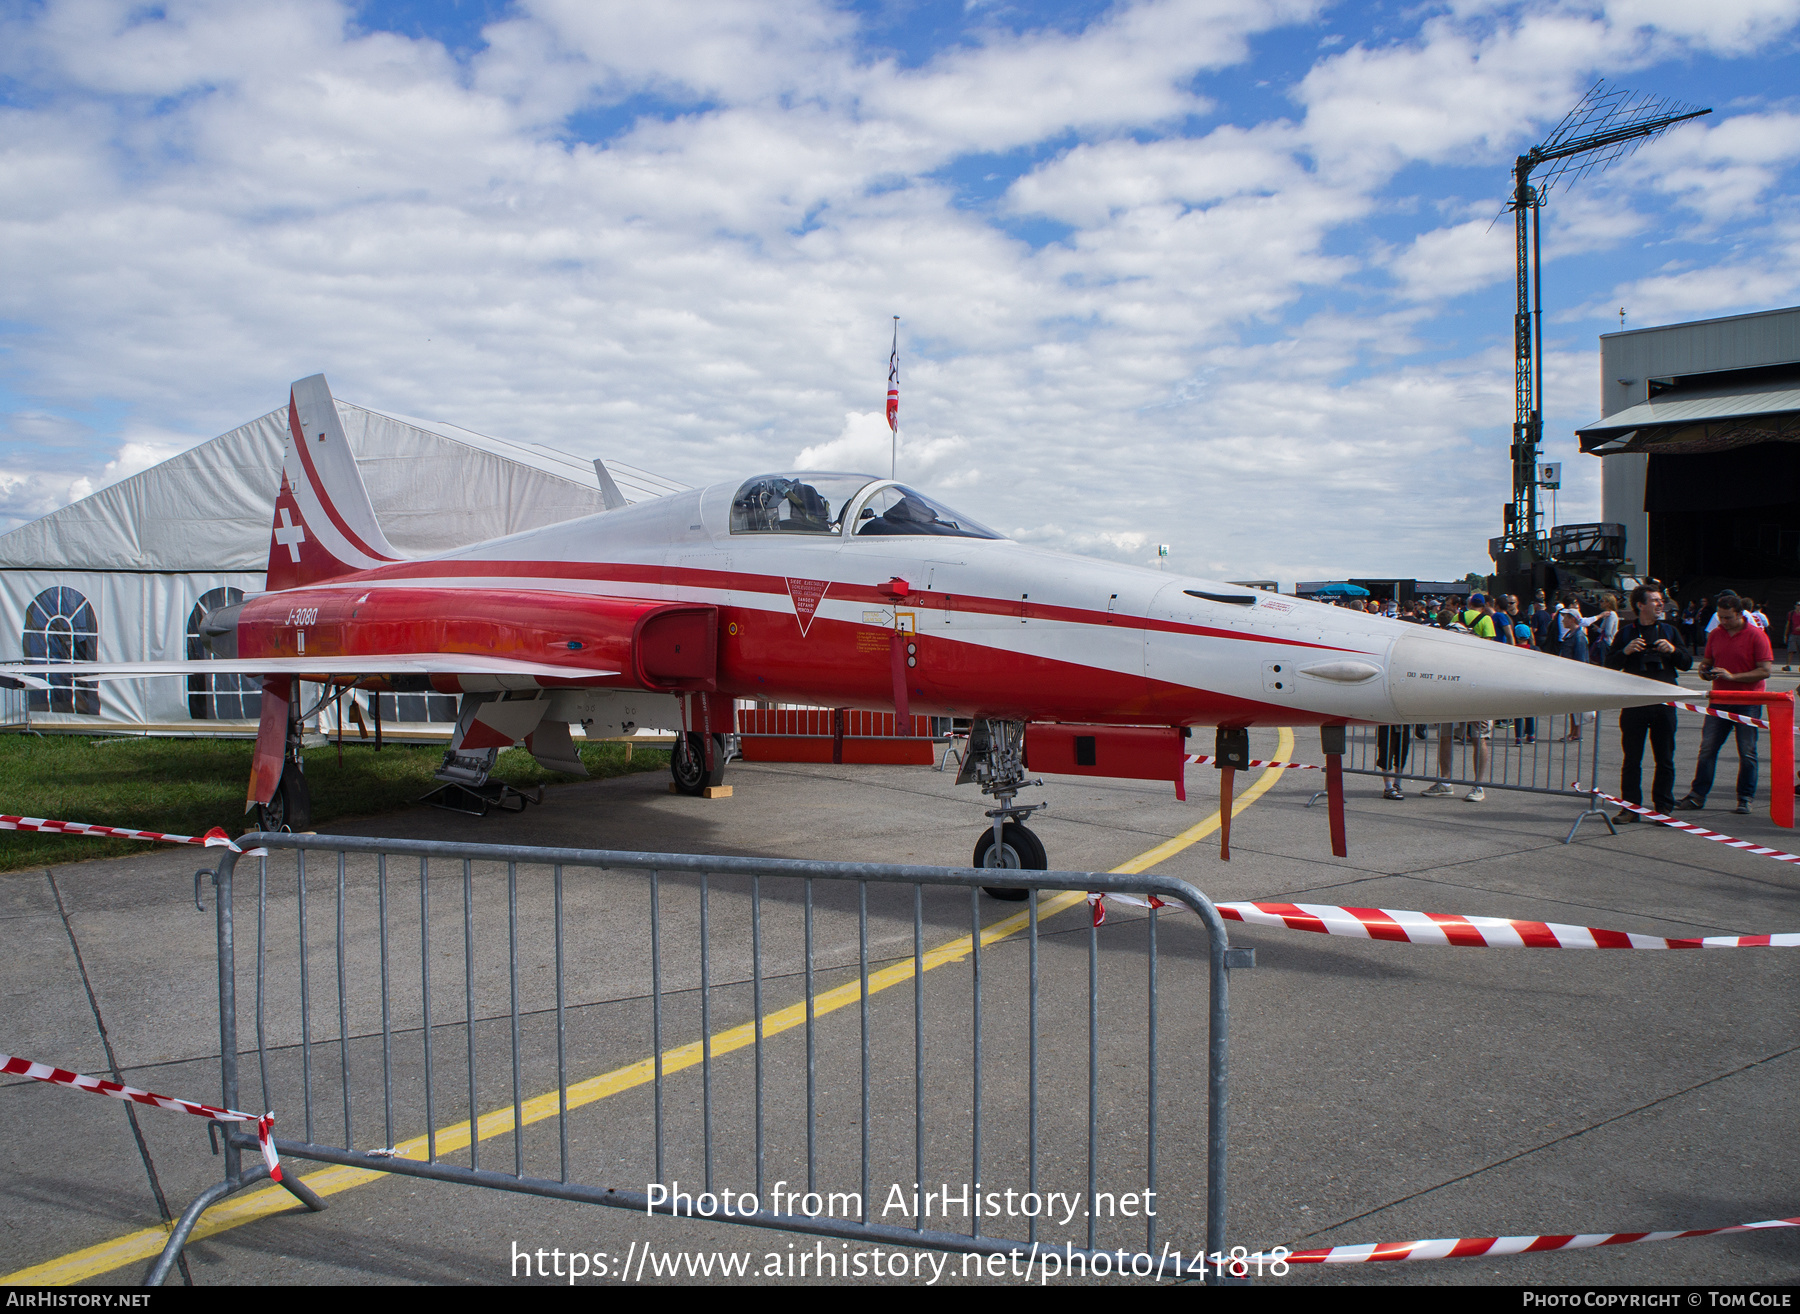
291,807
1019,850
687,763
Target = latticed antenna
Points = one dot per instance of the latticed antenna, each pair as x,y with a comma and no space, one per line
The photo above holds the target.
1608,124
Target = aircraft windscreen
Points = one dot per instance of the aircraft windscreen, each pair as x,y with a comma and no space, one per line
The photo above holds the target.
900,510
794,504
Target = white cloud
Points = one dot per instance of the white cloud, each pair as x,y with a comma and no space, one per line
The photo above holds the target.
1447,262
1674,294
1121,546
1130,67
26,495
734,51
1737,28
1204,359
1722,170
1090,184
867,446
136,457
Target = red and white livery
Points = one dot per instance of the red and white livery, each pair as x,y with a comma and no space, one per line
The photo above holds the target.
830,589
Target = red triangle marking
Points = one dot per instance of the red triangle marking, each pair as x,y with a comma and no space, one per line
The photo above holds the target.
807,594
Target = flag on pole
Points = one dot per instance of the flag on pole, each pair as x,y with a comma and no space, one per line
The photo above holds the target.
893,406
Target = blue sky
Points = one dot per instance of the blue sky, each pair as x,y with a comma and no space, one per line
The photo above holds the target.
1221,274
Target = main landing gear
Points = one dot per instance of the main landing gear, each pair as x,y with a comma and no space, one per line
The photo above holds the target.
290,808
996,761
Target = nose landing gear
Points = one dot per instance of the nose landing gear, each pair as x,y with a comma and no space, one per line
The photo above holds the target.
996,761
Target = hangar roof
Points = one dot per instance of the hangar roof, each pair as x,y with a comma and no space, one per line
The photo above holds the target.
1701,419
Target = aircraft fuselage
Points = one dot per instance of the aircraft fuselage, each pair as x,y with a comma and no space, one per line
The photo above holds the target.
989,628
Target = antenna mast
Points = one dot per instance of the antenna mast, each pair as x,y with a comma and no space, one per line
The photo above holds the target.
1608,124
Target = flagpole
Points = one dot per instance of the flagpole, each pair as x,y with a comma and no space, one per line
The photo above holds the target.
893,404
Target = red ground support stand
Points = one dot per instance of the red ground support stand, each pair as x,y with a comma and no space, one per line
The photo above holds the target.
1781,754
1334,803
1226,776
1331,739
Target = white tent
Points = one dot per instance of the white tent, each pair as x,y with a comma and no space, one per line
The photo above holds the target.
126,573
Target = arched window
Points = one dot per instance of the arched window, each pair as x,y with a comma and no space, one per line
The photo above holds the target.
218,697
59,627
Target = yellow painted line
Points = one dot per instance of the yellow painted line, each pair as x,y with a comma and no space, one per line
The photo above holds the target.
1284,745
235,1211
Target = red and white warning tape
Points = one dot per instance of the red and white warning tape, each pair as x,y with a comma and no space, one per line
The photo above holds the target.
1716,836
1194,759
1707,709
214,838
1470,1247
1407,927
59,1077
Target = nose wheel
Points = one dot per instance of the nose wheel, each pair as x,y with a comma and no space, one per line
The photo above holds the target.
995,760
1017,850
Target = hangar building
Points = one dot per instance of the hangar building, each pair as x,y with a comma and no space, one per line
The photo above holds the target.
1699,439
127,573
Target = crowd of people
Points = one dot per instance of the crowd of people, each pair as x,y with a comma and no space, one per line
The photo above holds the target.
1693,621
1655,638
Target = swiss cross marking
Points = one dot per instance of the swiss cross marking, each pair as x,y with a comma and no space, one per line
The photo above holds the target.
290,535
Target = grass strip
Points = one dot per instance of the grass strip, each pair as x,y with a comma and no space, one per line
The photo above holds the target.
188,786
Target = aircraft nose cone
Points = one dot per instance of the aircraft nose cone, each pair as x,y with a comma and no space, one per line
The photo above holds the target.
1439,675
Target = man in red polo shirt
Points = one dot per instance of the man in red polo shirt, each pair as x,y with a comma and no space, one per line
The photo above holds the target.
1738,657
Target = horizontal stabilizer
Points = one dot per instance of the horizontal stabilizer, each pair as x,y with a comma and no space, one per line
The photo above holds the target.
412,663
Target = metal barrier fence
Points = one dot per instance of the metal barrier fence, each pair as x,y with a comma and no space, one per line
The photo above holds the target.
440,1056
15,709
1535,755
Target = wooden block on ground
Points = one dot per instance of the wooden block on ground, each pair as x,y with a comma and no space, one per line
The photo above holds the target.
716,791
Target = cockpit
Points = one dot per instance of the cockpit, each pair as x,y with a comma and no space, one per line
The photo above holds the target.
824,503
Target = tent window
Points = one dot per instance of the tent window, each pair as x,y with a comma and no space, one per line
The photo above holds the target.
59,627
218,697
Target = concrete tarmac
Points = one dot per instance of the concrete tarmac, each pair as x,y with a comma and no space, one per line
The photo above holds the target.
1379,1092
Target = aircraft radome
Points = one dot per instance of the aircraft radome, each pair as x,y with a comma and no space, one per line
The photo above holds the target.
826,589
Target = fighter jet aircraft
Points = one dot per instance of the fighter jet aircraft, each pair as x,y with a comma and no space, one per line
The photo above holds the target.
827,589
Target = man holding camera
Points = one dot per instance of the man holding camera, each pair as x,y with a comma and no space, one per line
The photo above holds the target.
1649,646
1738,657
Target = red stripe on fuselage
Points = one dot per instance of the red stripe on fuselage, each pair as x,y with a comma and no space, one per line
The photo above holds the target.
776,586
839,663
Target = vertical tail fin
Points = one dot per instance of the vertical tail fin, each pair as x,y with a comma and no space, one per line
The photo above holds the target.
324,523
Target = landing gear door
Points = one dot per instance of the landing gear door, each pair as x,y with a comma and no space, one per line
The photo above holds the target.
976,751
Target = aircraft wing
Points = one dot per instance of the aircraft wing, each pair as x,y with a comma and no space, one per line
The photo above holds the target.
32,674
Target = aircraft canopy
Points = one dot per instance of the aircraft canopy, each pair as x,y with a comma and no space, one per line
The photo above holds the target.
808,503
